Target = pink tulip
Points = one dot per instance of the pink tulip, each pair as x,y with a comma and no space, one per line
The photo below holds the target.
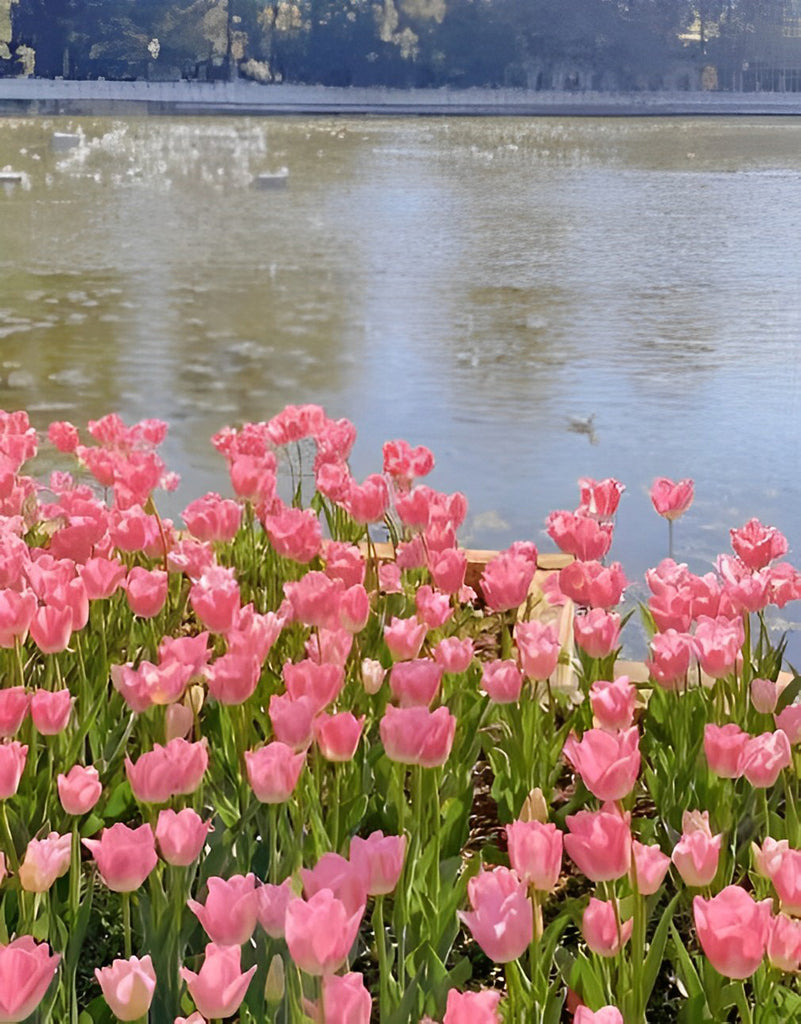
338,735
212,518
608,764
648,868
580,535
146,591
417,735
786,878
789,721
16,614
764,756
403,463
14,703
128,987
293,720
314,599
354,609
670,499
602,928
220,986
404,638
329,647
672,608
124,856
215,599
271,904
295,533
606,1015
433,608
233,678
343,562
501,920
379,860
454,655
724,746
51,628
506,579
45,860
718,643
27,968
174,769
389,578
12,765
502,681
252,634
768,857
415,683
50,711
672,656
764,696
757,545
597,632
346,881
599,843
538,647
600,498
346,1000
448,569
79,790
733,930
368,502
535,853
697,853
613,703
320,932
592,585
181,836
472,1007
273,772
320,683
784,943
229,914
102,577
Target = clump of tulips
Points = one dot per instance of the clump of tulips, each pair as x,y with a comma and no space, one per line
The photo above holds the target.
239,756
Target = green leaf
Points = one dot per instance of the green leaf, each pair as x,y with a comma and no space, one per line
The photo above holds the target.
685,967
656,952
586,982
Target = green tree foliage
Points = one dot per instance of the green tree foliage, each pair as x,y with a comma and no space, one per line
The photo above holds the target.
546,43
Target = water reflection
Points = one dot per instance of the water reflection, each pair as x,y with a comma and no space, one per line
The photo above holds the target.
476,285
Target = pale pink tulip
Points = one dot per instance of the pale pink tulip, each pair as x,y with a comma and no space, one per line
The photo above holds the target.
501,920
733,930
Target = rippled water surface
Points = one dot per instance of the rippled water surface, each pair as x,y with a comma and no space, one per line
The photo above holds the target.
535,299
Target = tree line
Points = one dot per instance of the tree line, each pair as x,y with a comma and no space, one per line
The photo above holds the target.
542,44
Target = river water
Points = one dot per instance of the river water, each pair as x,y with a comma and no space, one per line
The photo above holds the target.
534,299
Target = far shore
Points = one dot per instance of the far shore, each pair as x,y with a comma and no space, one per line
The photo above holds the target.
34,96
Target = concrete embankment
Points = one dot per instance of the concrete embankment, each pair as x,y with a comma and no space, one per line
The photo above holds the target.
44,96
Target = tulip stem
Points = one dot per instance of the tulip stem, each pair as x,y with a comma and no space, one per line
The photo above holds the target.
8,839
126,924
381,949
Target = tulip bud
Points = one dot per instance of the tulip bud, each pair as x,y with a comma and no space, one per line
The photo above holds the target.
195,696
274,986
764,696
534,807
373,673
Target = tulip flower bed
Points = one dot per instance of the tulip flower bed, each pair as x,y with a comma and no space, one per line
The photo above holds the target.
252,769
